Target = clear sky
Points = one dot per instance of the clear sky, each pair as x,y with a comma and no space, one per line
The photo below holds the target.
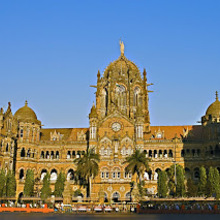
51,50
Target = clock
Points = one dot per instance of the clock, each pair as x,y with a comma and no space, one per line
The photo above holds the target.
116,126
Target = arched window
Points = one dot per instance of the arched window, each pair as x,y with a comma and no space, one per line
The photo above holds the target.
196,174
23,152
136,96
57,154
116,196
42,155
68,155
43,174
6,149
53,175
52,154
70,174
21,174
121,97
170,153
47,155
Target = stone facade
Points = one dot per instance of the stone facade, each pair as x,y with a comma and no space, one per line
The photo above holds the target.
119,124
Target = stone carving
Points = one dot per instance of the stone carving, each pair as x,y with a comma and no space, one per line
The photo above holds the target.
81,136
122,47
122,188
56,136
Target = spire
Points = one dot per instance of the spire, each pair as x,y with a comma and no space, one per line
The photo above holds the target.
1,111
93,113
98,76
216,94
26,102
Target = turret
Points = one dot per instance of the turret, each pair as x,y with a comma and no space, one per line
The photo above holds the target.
93,119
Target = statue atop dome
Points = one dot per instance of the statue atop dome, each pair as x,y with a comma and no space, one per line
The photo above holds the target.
122,47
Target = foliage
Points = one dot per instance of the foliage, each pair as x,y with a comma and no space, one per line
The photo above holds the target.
88,167
2,183
202,182
162,187
171,180
137,164
10,184
46,190
180,178
216,183
29,183
192,188
77,193
59,185
210,182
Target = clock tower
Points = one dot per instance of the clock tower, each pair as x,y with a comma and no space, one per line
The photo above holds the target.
120,117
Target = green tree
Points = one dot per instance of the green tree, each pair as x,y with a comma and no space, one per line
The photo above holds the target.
137,164
2,183
192,188
216,183
202,181
171,180
180,178
210,182
162,187
10,184
46,190
59,185
88,168
176,181
29,183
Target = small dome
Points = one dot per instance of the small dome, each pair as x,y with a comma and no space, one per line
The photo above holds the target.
214,108
26,114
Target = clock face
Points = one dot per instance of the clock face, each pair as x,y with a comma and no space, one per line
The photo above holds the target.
116,126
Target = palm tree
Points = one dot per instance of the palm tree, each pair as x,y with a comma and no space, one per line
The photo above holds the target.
88,168
137,164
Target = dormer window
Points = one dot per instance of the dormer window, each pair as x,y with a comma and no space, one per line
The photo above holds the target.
159,135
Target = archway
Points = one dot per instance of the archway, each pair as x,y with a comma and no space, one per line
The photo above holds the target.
70,174
128,196
116,197
53,175
21,174
43,174
187,173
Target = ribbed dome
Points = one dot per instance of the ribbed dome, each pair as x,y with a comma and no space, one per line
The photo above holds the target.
26,114
121,67
214,108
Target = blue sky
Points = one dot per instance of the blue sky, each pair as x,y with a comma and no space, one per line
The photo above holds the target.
50,52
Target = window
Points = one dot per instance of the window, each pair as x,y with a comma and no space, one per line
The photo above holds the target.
102,175
119,175
21,133
107,174
113,175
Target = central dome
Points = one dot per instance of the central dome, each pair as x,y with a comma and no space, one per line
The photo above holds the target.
26,114
122,67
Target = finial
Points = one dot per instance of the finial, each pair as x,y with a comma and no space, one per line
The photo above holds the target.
9,104
216,94
145,72
98,74
122,47
26,102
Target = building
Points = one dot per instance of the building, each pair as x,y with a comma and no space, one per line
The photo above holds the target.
119,123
